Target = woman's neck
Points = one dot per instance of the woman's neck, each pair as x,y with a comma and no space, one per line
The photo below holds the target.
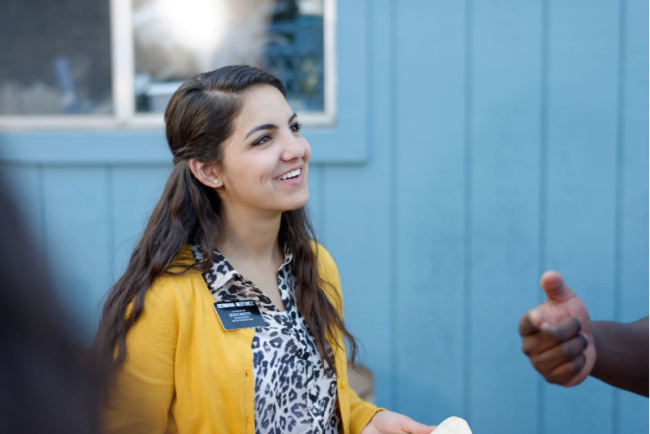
250,237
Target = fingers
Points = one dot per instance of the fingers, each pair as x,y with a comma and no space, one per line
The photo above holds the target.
557,351
549,337
556,292
565,372
560,354
554,287
529,323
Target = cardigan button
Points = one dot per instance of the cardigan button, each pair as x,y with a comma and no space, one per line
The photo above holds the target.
344,384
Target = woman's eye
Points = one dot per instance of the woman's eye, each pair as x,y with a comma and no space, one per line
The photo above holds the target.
296,127
262,140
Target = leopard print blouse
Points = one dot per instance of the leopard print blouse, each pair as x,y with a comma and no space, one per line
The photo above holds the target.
293,393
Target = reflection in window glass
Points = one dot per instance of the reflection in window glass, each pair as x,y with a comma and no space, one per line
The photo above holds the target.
56,57
174,40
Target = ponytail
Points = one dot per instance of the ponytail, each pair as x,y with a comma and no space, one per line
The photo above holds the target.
186,211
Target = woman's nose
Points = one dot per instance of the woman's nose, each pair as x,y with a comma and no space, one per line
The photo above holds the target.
294,147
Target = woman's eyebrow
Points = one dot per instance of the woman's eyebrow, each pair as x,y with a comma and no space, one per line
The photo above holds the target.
268,126
261,127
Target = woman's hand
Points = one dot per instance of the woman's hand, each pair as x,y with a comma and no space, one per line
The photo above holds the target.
389,422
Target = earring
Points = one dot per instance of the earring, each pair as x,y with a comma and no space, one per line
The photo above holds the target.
216,182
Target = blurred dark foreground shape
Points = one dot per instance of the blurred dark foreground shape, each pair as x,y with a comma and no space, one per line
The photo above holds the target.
44,385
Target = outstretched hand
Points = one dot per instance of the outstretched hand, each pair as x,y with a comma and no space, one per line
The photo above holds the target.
389,422
557,335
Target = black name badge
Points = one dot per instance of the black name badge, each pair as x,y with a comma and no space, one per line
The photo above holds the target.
239,314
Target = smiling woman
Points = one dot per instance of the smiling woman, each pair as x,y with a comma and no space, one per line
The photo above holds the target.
228,317
264,166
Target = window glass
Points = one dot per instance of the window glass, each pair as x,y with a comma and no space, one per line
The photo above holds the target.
173,40
56,57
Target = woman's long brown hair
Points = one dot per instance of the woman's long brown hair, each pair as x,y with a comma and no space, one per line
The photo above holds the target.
198,120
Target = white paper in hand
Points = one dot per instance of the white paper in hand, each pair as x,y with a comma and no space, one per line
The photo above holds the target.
452,425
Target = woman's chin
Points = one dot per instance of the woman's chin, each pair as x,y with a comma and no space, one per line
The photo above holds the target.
297,204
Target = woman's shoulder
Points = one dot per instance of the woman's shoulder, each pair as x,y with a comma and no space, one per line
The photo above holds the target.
323,255
328,274
324,260
179,282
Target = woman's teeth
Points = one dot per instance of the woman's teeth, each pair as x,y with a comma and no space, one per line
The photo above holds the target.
291,174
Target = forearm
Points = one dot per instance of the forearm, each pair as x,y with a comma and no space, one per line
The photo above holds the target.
622,354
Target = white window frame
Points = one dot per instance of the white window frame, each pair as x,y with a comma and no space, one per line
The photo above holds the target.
124,115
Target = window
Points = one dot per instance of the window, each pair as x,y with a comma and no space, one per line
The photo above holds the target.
64,65
56,57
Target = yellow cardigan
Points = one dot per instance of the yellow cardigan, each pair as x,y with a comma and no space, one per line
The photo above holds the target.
184,374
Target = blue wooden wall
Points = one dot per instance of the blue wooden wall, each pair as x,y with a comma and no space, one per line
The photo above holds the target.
478,144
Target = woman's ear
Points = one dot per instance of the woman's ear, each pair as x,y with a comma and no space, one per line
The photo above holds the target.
207,174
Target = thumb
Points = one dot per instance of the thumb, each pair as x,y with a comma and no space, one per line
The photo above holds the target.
554,287
411,426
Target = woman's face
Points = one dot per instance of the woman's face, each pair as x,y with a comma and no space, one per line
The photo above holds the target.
265,160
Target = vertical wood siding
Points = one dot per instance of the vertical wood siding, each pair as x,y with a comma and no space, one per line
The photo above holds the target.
503,137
